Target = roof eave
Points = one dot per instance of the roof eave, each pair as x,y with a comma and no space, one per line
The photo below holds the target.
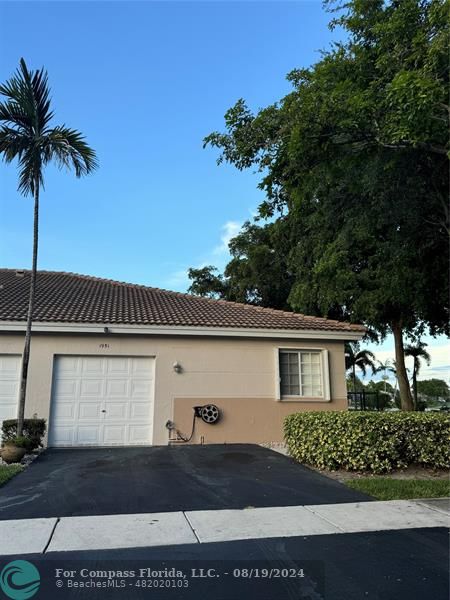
183,330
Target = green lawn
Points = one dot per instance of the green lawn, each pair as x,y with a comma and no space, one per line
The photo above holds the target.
8,471
385,488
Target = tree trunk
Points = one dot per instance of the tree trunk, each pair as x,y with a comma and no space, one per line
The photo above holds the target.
26,350
415,385
354,377
406,400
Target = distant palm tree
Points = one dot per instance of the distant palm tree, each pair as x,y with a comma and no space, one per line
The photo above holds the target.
25,135
354,357
386,367
418,352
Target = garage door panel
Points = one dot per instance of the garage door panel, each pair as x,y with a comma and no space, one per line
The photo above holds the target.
139,410
9,385
68,388
89,410
10,366
7,411
70,366
93,366
137,368
114,434
102,401
65,410
140,388
120,366
117,388
92,387
138,434
88,434
116,410
63,435
8,388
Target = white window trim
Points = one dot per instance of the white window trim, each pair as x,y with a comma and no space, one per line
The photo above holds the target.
325,364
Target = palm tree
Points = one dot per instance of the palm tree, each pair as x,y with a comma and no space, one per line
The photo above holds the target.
417,352
25,135
354,357
385,367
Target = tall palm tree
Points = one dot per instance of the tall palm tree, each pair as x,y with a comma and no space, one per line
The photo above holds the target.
418,352
354,357
25,135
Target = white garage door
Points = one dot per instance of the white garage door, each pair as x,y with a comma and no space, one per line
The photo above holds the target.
101,401
9,386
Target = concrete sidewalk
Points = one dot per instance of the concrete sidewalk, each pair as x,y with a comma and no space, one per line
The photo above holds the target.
106,532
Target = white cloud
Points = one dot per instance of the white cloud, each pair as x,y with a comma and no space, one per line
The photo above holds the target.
229,230
218,257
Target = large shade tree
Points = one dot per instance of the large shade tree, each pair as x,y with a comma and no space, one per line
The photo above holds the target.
355,159
27,137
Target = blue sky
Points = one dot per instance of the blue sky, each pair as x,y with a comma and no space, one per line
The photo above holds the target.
145,82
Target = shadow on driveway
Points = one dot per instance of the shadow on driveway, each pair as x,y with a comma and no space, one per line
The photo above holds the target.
100,481
384,565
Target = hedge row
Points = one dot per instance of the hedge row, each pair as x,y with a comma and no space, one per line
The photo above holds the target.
368,441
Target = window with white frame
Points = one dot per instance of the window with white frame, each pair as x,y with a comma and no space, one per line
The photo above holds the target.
301,373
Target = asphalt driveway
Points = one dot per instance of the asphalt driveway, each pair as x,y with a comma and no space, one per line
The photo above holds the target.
100,481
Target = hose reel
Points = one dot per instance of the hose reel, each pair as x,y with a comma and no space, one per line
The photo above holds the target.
209,413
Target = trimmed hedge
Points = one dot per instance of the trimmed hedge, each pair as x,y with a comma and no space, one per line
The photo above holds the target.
33,431
368,441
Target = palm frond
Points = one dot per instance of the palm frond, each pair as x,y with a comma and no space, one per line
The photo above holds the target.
349,355
14,115
354,357
418,352
427,357
385,367
364,359
27,102
12,143
366,355
69,148
41,96
30,171
25,134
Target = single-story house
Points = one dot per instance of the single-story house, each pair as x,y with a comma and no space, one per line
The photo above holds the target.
119,364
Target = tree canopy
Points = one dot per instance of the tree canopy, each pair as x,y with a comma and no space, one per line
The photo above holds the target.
434,388
354,164
257,273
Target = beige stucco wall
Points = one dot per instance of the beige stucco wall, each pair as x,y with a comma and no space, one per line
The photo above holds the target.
237,374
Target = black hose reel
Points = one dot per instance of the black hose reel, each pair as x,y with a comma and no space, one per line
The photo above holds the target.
209,413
